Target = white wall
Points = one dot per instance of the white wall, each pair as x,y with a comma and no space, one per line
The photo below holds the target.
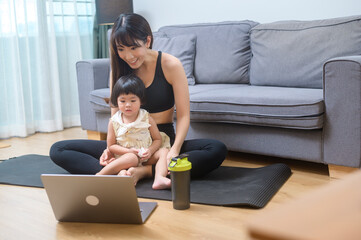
167,12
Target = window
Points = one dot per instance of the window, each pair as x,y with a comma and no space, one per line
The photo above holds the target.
62,13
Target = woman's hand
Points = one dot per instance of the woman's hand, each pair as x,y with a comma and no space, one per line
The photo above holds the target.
171,154
106,158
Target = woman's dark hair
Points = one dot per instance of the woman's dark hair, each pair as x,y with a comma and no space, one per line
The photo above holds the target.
128,30
129,84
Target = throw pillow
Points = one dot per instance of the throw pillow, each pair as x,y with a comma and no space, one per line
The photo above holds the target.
182,47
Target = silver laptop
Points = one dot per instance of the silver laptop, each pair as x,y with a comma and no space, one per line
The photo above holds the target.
100,199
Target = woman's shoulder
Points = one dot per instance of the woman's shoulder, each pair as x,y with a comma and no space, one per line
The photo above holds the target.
172,67
170,62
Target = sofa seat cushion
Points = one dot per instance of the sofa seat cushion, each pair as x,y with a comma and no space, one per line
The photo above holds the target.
98,102
298,108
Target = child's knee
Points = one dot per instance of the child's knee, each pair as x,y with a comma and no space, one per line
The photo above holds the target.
132,156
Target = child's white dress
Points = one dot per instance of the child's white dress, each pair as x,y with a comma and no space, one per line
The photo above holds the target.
135,134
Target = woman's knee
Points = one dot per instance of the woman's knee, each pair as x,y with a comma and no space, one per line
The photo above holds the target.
216,149
55,151
219,150
209,157
218,153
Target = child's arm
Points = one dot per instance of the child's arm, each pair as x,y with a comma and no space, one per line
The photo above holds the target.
108,156
156,139
114,148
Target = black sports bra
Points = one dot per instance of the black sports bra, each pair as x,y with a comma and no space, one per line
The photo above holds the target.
159,95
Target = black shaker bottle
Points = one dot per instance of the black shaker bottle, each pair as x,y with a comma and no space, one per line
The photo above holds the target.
180,169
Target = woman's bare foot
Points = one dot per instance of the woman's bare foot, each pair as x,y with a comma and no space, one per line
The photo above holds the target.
138,173
161,183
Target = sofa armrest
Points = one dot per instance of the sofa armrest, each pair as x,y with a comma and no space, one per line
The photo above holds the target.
342,128
91,74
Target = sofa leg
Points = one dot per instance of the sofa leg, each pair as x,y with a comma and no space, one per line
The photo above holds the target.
339,172
93,135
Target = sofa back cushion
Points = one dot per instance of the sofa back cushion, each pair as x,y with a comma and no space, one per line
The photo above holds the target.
222,50
292,53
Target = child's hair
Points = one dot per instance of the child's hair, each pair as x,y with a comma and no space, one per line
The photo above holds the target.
129,84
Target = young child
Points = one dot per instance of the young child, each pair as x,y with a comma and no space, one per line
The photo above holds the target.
133,136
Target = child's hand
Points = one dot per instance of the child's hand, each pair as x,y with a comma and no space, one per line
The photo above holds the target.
144,154
134,150
103,162
106,162
106,157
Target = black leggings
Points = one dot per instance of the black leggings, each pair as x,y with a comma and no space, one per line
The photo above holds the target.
82,156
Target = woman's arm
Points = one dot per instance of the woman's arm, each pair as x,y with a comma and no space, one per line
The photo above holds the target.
156,137
175,75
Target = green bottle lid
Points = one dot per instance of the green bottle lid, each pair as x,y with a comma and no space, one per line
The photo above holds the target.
180,163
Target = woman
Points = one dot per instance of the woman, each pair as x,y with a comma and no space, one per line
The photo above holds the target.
166,87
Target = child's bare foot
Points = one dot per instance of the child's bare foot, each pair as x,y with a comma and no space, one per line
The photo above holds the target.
161,183
122,173
138,173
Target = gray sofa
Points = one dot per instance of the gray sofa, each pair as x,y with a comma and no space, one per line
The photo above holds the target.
288,89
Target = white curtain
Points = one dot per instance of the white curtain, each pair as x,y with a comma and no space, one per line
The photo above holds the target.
40,42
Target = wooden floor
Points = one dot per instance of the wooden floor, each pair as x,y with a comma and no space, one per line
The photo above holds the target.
25,212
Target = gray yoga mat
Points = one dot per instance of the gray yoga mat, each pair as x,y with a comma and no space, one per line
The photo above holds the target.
225,186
